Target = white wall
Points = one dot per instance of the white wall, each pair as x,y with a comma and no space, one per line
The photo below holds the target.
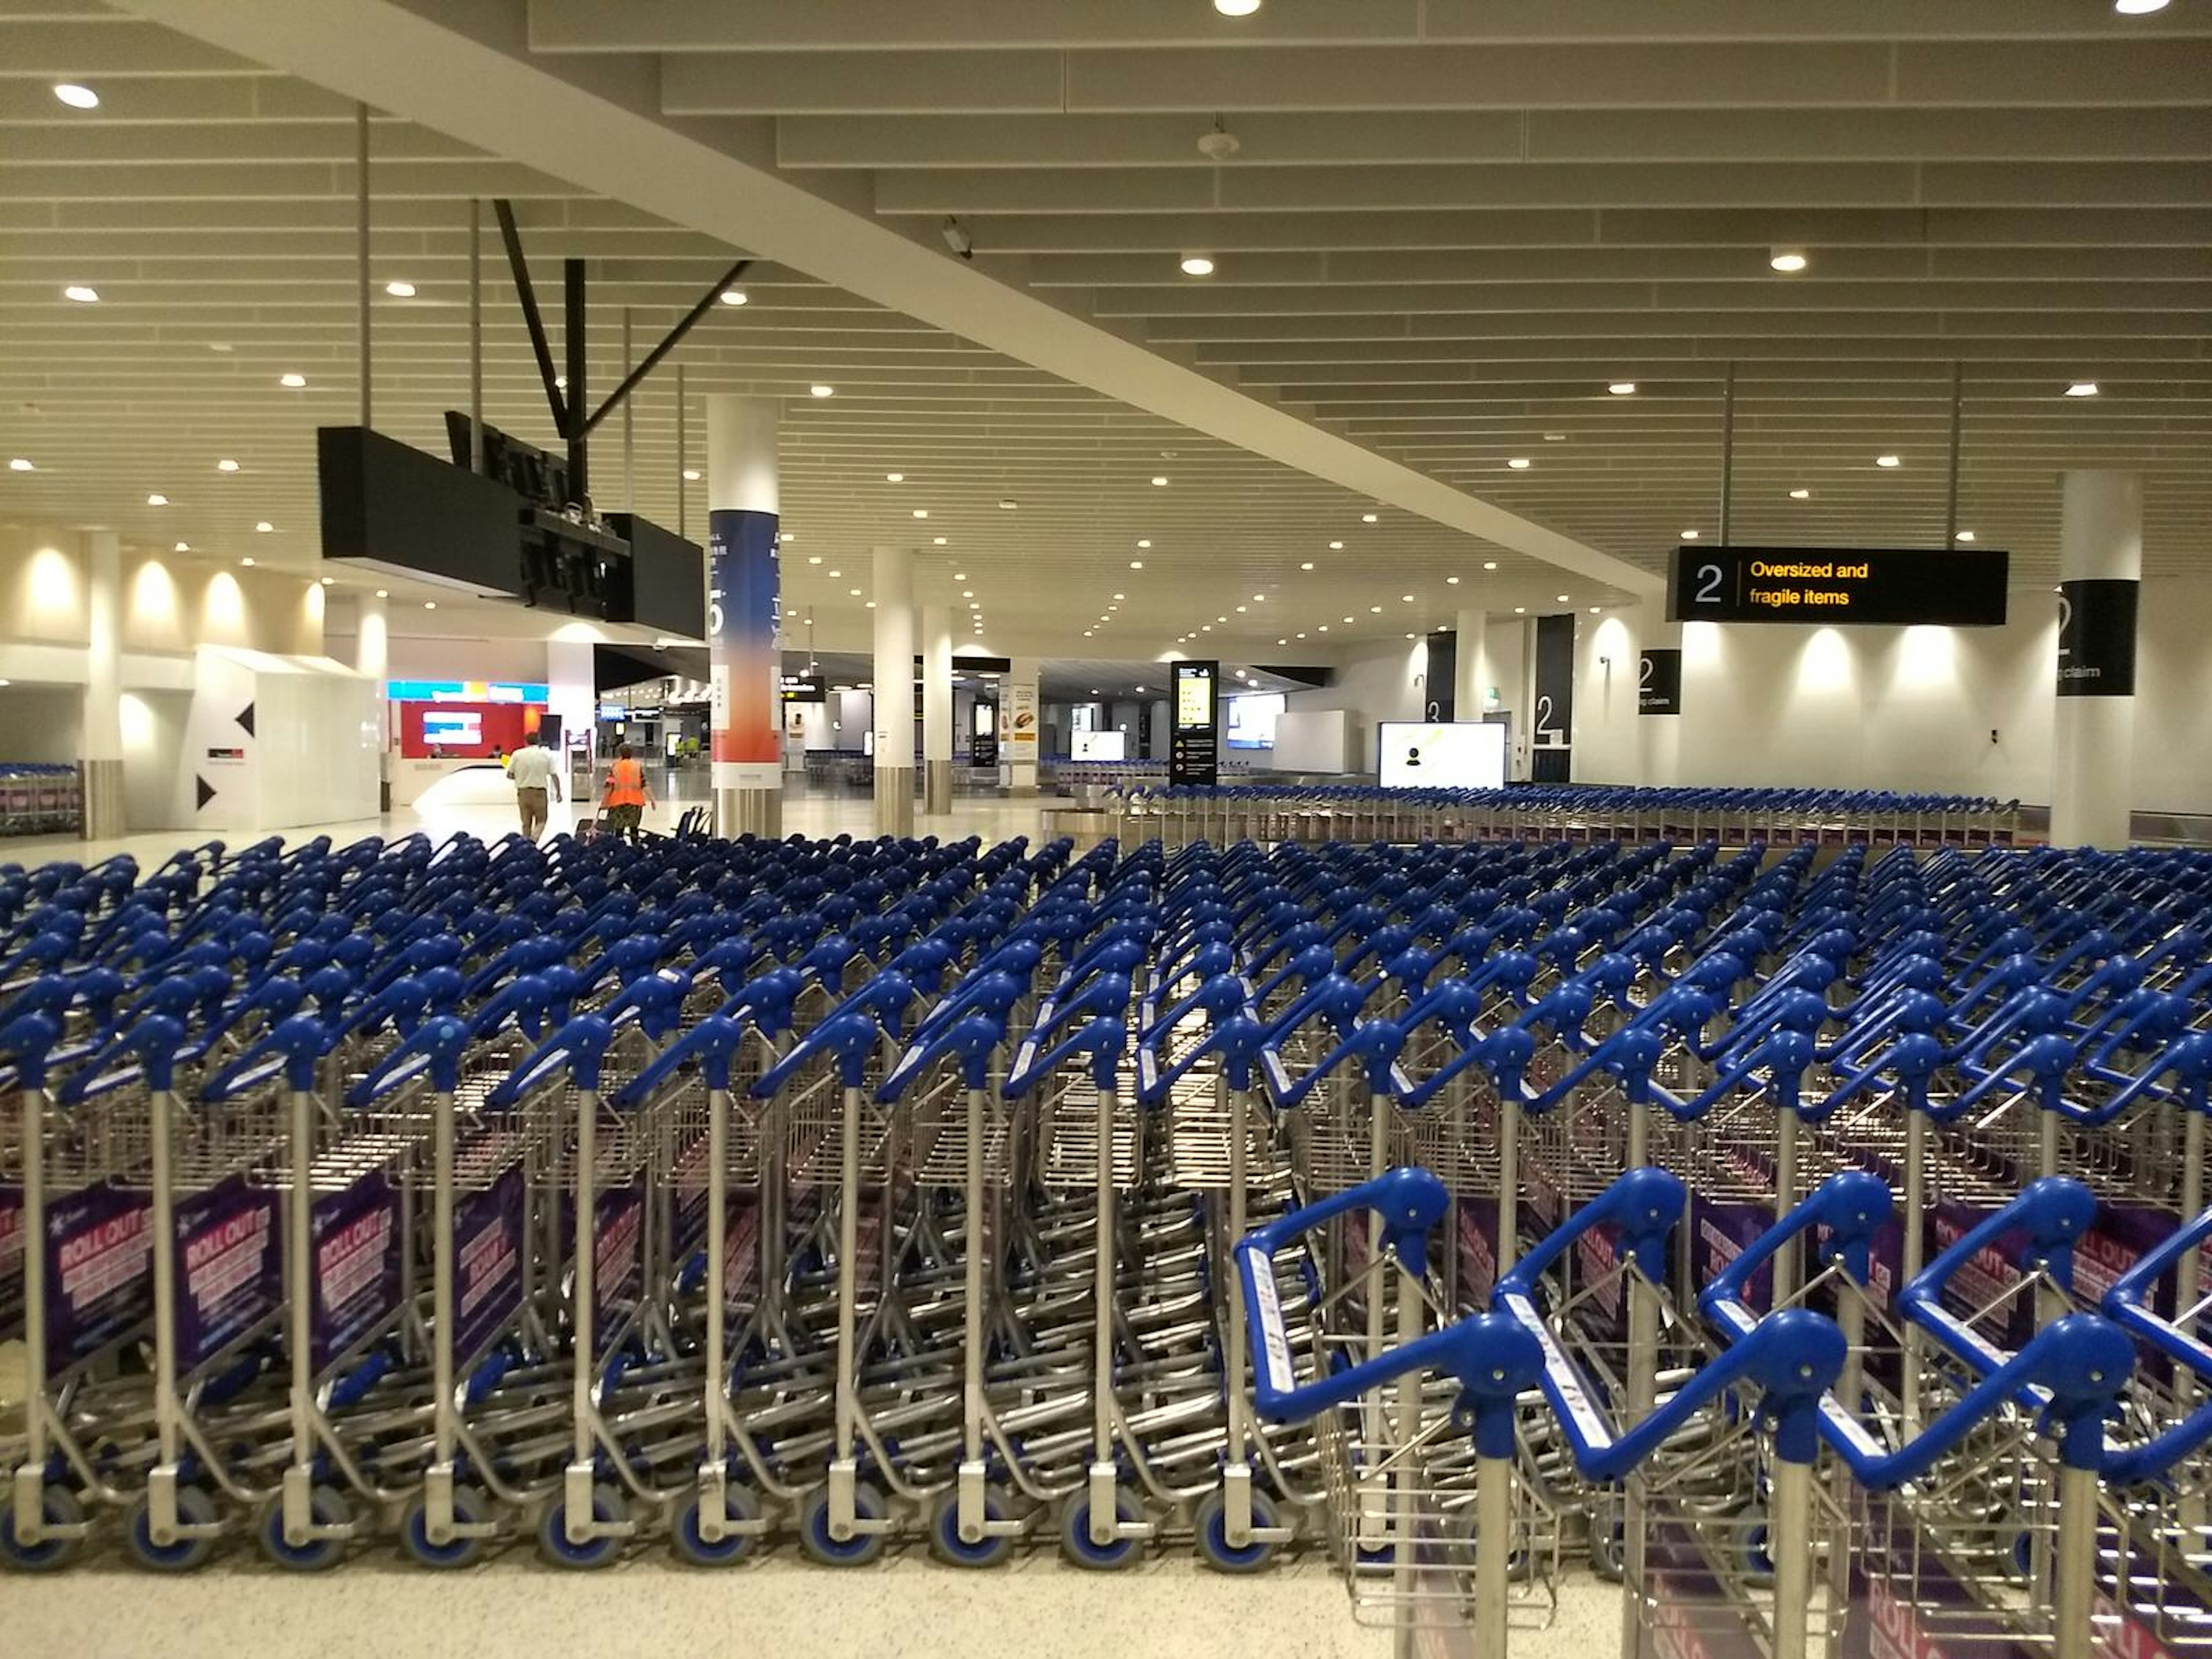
41,724
1387,686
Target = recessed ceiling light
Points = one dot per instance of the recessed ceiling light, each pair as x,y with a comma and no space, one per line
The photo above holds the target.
81,293
20,465
183,547
690,474
429,604
2082,389
1801,494
2125,8
157,499
560,383
814,558
1622,388
856,593
1336,547
1564,599
226,464
974,604
1520,463
247,563
894,478
294,380
329,582
264,526
1307,565
1594,610
833,574
218,345
1489,564
733,297
1242,609
1205,628
939,540
1406,598
1124,596
1008,503
383,593
1520,609
959,576
1086,633
1159,481
871,605
1197,264
1236,7
1692,535
822,391
1555,437
921,513
1451,581
1788,260
1370,518
399,290
1889,460
1964,536
1136,564
76,97
1323,629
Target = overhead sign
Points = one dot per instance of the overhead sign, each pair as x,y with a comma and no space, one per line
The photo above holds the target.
1659,682
1895,587
1195,739
2097,638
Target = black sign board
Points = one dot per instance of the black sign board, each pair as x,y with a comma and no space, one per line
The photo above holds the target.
1552,722
1438,698
805,687
1659,682
982,748
1194,731
1895,587
2097,638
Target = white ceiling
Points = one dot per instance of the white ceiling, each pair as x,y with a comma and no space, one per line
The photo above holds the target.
1447,227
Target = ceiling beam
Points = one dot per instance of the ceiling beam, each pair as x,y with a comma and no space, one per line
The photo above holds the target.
604,131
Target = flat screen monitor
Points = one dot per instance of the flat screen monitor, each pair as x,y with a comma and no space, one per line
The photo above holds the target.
1450,755
1101,746
457,729
1252,721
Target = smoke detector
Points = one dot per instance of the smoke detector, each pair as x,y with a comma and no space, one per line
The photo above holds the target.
1220,144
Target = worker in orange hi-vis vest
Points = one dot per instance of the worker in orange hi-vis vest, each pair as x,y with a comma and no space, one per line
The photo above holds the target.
628,794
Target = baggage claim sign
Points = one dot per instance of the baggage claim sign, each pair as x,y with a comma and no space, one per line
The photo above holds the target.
1891,587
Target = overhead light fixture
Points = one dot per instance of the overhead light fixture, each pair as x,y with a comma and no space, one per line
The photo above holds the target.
822,391
894,478
2082,389
226,464
76,97
1964,536
1451,581
1801,494
247,563
939,540
1692,535
833,574
1520,464
20,464
399,290
82,293
264,526
294,380
1124,596
1489,564
329,582
1323,629
1622,388
1594,610
1307,565
959,576
734,296
690,474
1159,481
560,383
1889,460
1564,599
856,593
814,558
1555,437
383,593
1520,609
1197,264
157,499
429,604
183,547
1008,503
1136,564
1788,260
2125,8
921,513
957,237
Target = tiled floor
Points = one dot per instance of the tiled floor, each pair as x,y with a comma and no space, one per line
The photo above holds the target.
374,1608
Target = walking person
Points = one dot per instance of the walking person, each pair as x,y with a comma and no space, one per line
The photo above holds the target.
628,794
534,774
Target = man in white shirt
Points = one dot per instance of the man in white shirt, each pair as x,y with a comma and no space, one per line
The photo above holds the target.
534,772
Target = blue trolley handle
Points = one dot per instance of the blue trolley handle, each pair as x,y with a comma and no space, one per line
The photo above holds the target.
521,1002
28,1040
1102,1038
579,1048
436,1046
1913,1060
155,1040
1503,1053
295,1048
2045,1059
654,999
2188,1060
972,1040
1107,996
1220,994
2054,1212
848,1035
1238,1038
713,1043
2126,1305
1644,1204
1376,1045
1628,1054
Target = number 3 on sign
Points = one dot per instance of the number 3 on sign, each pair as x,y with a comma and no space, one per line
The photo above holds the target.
1709,586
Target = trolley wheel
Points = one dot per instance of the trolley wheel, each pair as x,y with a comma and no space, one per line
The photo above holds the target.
1608,1542
1075,1530
945,1542
738,1503
860,1548
553,1532
194,1508
1211,1520
1754,1545
469,1506
61,1509
329,1508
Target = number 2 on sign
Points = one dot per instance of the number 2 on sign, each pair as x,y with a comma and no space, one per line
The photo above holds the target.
1546,731
1709,586
1644,674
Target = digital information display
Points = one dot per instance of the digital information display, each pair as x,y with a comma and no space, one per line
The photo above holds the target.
1447,755
1194,739
1891,587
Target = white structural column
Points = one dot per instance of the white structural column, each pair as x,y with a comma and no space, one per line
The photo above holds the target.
1021,722
572,695
1659,713
894,717
101,746
2093,737
939,742
1471,666
744,615
371,658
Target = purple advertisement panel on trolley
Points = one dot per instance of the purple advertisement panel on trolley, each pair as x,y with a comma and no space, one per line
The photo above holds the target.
230,1266
357,1264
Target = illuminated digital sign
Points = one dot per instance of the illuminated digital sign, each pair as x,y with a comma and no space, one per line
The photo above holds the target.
1896,587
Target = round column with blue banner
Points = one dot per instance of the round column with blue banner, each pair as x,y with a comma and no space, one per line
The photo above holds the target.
744,615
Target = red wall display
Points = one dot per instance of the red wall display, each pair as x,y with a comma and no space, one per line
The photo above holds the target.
497,728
